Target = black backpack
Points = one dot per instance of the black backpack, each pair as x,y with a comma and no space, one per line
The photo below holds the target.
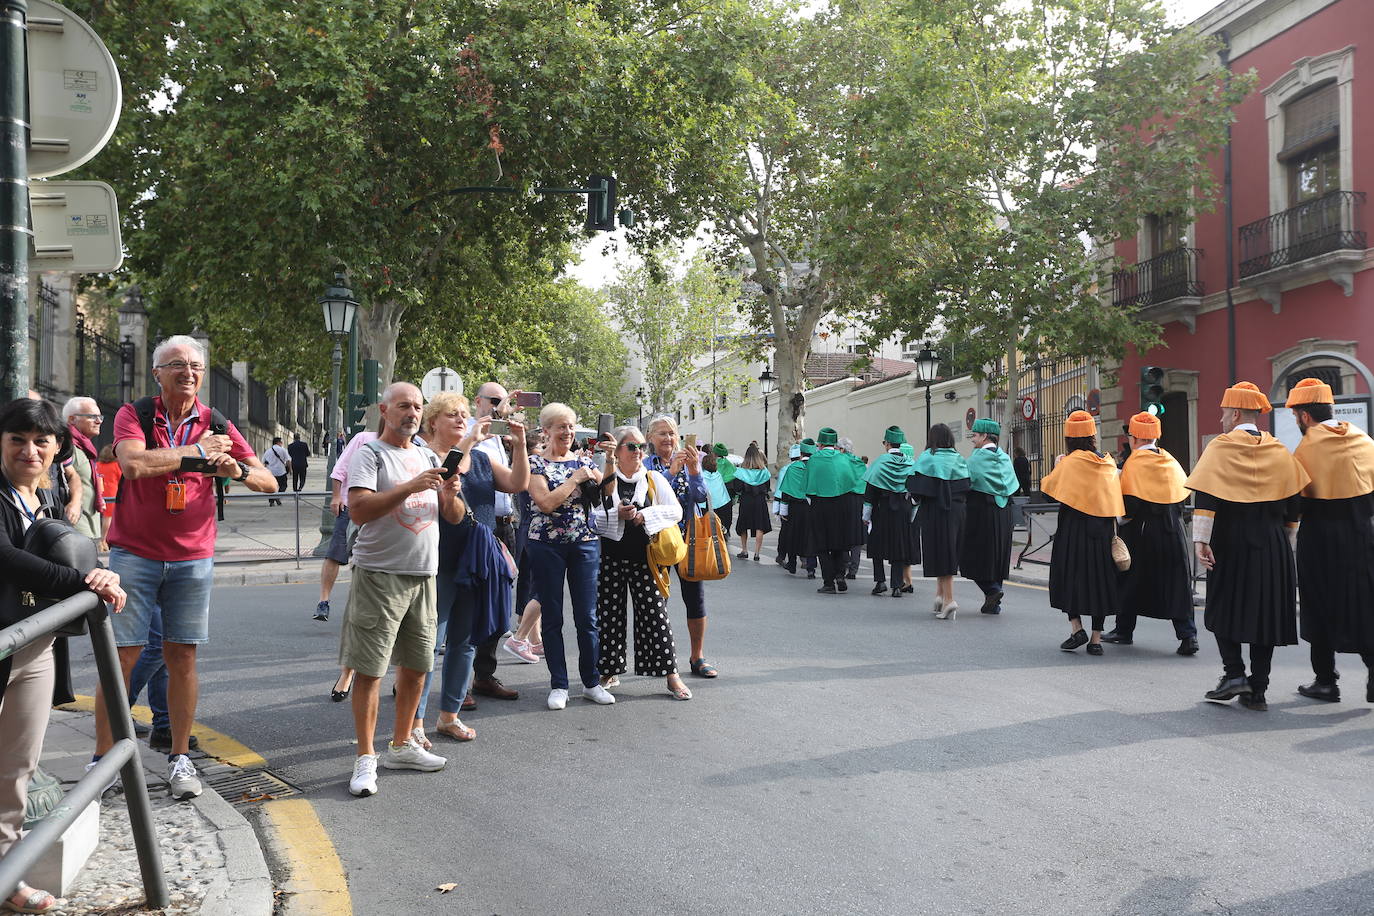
146,409
56,540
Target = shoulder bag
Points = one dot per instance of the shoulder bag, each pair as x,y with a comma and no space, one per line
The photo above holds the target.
665,549
708,550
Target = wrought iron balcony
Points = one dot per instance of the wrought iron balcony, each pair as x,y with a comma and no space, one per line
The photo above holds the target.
1163,278
1332,222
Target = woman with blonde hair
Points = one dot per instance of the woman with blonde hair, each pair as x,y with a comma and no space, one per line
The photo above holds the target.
753,485
563,548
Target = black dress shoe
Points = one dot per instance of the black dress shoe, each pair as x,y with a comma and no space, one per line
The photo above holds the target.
1254,700
810,574
908,589
852,575
1095,648
1187,646
841,585
790,567
1319,691
879,588
160,739
1075,641
492,687
1114,636
827,589
897,592
1228,688
992,604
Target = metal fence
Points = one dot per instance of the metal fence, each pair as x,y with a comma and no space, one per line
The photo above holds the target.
122,758
224,393
1171,275
104,371
258,401
43,340
1328,223
1059,387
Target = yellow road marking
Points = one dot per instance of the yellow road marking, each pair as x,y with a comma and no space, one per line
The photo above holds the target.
214,743
315,880
1040,588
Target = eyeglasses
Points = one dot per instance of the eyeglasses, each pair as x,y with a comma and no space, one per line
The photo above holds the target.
496,402
89,416
636,446
178,365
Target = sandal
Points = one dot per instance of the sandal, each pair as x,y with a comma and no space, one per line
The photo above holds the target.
418,734
680,692
455,730
32,900
702,668
612,681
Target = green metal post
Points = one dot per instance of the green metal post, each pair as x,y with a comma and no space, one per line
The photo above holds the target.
352,370
15,229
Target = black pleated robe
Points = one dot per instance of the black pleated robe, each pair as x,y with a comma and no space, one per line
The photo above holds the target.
1252,593
891,536
753,512
941,520
1335,566
1159,583
1083,577
986,555
794,538
835,523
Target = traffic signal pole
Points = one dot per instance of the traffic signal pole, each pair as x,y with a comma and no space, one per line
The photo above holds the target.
15,229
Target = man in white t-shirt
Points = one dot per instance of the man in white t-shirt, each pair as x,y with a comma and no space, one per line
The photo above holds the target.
278,464
396,492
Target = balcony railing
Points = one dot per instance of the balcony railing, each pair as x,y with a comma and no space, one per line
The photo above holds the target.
1171,275
1329,223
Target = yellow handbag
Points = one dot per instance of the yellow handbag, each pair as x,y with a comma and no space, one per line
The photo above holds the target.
708,547
667,548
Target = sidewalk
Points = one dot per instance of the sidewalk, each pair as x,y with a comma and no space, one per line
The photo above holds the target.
210,854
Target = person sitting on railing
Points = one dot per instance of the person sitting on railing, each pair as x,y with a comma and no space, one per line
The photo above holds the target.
31,436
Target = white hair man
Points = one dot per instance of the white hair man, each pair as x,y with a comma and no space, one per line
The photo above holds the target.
83,418
162,539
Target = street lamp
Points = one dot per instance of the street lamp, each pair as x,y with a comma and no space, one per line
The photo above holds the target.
767,383
639,404
927,368
339,309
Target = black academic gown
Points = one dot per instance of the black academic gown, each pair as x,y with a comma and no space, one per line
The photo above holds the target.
986,554
1252,591
1335,564
1083,578
891,536
1159,583
941,520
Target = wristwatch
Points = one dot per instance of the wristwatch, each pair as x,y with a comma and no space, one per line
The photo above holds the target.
245,469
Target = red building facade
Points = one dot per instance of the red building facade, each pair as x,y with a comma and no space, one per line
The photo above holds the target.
1302,153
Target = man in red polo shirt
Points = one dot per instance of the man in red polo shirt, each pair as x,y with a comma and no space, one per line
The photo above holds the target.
162,540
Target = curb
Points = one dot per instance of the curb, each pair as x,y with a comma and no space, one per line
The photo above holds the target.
247,891
248,575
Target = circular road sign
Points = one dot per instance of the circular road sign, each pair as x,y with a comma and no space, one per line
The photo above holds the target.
1028,408
74,91
969,416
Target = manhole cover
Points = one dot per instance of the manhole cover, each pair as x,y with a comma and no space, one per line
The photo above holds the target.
245,787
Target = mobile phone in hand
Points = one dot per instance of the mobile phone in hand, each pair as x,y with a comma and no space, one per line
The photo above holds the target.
691,440
498,428
197,465
451,462
529,399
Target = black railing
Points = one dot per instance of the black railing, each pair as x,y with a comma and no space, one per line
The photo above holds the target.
257,402
224,393
1171,275
1329,223
102,373
122,759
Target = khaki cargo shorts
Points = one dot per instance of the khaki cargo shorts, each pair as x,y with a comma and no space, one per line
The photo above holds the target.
390,620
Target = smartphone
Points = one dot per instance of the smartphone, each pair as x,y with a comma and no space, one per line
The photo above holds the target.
604,424
196,465
451,462
499,428
529,399
691,440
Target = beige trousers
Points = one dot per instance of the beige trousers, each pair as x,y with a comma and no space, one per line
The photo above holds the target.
24,711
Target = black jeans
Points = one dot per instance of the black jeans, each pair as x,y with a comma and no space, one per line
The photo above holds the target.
297,478
1261,659
856,556
994,587
897,581
1099,621
833,564
1324,663
281,488
1184,627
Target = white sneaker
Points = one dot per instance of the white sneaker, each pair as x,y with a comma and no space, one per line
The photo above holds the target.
521,650
410,756
558,698
182,781
598,694
364,781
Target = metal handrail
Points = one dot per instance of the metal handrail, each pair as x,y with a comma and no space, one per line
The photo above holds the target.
1171,275
123,756
1314,227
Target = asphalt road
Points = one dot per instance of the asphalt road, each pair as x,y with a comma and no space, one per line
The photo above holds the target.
856,756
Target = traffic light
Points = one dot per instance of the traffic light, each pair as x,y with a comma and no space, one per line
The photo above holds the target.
356,415
601,203
1152,390
372,371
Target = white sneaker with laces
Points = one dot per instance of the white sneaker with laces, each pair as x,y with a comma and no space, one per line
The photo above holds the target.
598,694
364,781
410,756
558,698
182,781
521,650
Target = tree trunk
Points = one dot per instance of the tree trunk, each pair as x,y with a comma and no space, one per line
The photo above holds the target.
1011,410
379,328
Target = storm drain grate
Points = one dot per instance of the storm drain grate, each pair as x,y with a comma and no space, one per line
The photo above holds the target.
245,787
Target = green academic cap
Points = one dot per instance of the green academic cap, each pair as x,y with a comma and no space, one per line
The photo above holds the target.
827,436
808,446
720,450
988,426
894,436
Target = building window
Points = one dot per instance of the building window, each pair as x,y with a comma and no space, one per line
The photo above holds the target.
1311,149
1331,375
1168,232
723,404
691,411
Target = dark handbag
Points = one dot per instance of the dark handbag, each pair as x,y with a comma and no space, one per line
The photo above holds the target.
57,541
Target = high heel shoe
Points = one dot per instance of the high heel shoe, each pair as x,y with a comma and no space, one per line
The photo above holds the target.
337,695
938,606
948,611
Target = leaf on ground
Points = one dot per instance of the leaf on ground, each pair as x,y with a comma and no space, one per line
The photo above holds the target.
445,888
256,798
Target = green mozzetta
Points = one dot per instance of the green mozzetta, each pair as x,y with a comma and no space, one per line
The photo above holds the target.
890,471
834,473
752,476
943,464
792,480
990,471
726,469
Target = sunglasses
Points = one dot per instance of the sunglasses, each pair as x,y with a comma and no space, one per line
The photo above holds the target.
636,446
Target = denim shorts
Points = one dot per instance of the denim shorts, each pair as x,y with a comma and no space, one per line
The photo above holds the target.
181,588
341,539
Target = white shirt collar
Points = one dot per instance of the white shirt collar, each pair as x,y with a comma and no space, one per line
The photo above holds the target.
991,445
1152,446
1248,427
1332,422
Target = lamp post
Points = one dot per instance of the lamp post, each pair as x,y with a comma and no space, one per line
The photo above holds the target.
767,383
927,367
339,308
639,404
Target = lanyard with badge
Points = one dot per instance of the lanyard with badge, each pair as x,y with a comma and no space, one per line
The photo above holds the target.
30,514
176,487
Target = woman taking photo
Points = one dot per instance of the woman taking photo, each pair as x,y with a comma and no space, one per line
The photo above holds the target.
753,484
444,426
636,505
31,436
1083,577
941,483
563,548
682,468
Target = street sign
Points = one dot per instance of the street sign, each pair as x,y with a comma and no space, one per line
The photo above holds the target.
1095,402
74,91
440,379
1028,408
969,416
75,227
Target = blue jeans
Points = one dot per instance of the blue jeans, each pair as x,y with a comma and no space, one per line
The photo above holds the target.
179,590
149,671
577,563
455,604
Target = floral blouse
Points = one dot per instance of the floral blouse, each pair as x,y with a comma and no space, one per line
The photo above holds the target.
568,523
